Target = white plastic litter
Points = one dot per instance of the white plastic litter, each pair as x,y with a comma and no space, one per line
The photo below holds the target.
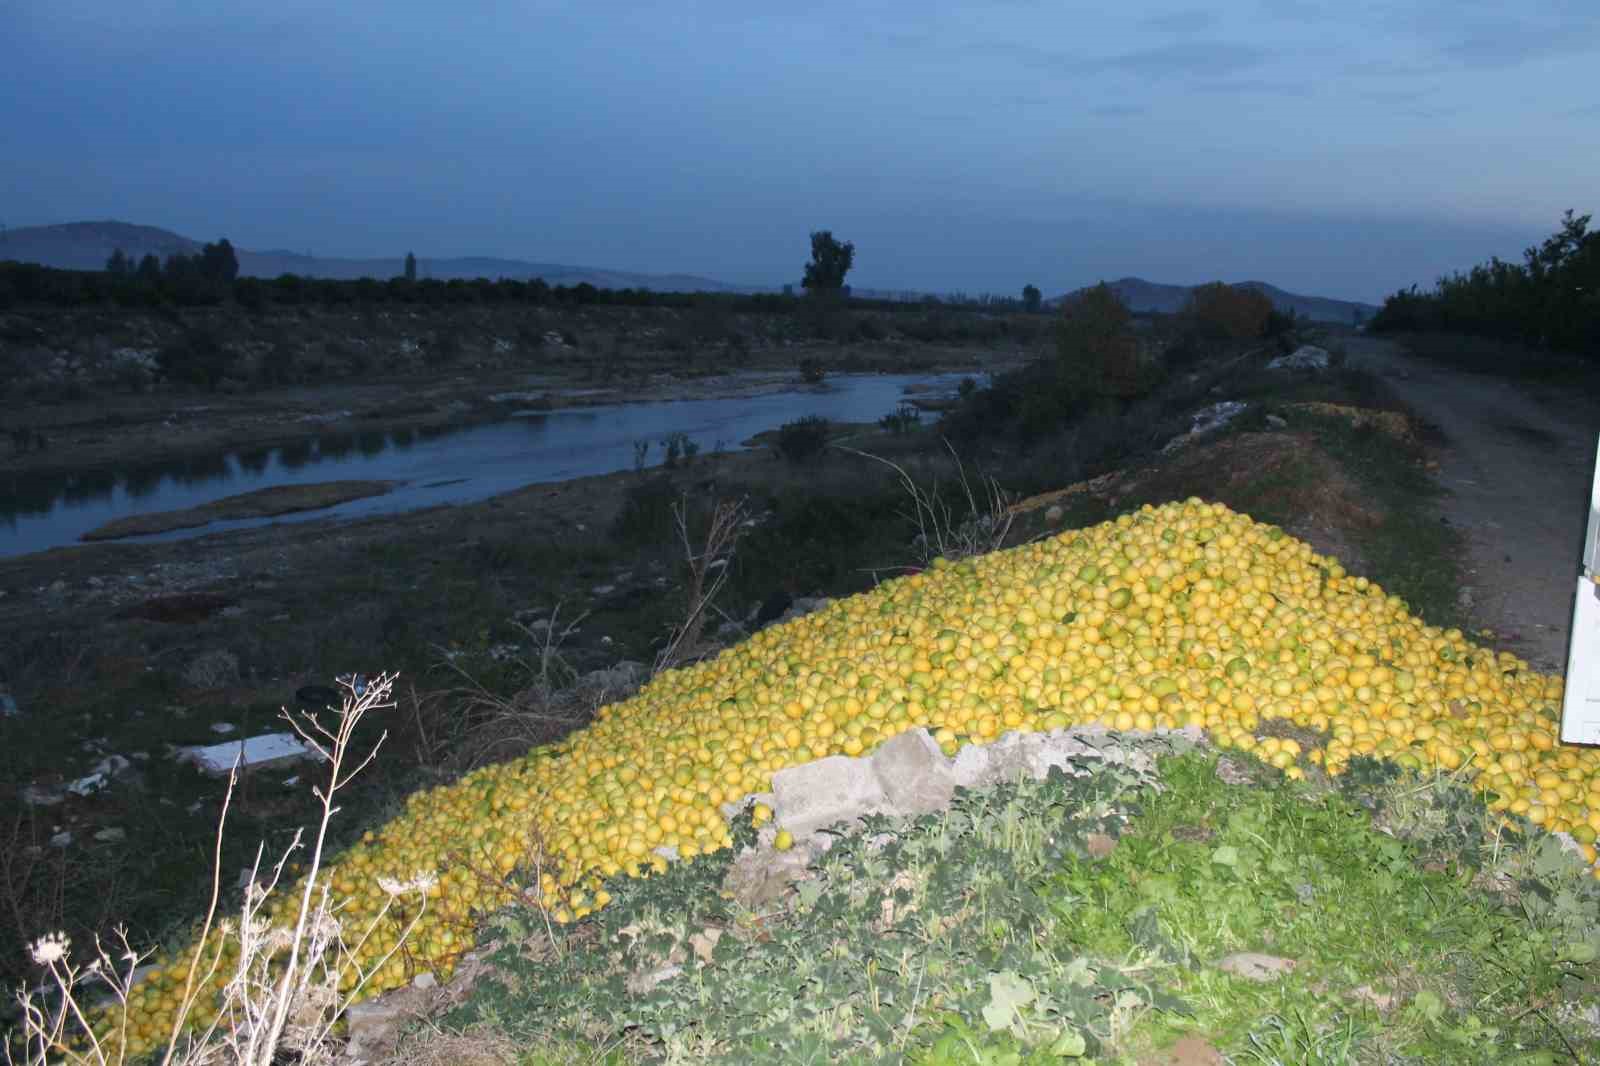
267,750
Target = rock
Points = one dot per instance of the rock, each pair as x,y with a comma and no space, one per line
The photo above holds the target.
271,749
1277,422
223,728
913,773
61,840
617,681
42,795
1305,357
603,590
212,669
374,1025
804,605
818,794
104,772
641,983
111,835
1208,419
1054,514
760,876
1254,966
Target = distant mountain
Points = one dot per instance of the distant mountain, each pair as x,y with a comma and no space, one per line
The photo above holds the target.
87,245
1141,295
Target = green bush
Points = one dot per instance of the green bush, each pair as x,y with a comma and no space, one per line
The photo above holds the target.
803,439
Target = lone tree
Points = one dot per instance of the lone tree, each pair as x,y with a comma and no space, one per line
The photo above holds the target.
411,267
830,262
218,261
119,265
1031,298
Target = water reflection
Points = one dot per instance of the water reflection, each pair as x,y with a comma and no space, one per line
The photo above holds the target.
335,445
296,454
433,464
254,460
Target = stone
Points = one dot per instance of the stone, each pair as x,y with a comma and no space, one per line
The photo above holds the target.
212,669
913,773
374,1025
42,795
111,835
971,766
760,876
1054,514
104,772
61,840
1254,966
1305,357
1277,422
618,680
825,792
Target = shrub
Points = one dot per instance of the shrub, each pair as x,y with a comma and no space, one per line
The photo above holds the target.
678,447
901,420
646,514
804,439
1227,311
812,371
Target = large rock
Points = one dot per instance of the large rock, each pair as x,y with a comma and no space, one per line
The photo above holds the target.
822,793
914,774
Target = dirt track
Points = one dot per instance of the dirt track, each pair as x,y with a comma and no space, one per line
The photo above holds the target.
1516,460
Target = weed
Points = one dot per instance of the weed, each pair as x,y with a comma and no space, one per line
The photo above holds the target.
902,419
802,440
291,982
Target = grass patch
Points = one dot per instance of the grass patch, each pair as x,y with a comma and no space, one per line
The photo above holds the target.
1085,918
1496,358
1409,551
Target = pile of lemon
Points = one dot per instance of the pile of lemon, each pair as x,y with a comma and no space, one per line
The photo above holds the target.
1183,615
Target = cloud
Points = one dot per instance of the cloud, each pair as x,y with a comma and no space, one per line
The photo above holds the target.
1511,44
1188,59
1193,20
1254,87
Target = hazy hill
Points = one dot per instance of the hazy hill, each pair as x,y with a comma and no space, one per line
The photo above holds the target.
87,245
1141,295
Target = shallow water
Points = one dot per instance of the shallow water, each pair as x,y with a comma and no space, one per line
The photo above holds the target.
438,466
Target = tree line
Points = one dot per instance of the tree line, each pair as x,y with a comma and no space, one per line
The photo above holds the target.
211,278
1550,300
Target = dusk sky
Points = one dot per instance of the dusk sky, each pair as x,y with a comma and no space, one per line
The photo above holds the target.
1336,148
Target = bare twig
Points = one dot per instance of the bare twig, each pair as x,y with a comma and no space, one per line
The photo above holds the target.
711,562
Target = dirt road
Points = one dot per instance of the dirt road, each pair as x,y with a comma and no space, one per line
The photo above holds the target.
1516,460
